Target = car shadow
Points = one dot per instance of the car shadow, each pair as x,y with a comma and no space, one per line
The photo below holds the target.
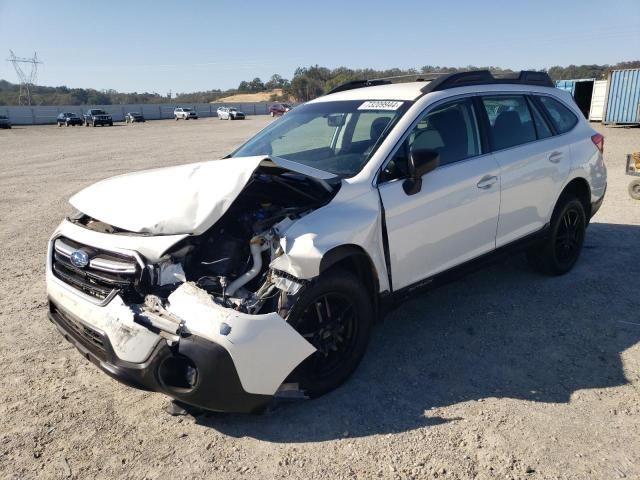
502,332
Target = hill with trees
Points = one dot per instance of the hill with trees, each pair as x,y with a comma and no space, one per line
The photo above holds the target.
307,83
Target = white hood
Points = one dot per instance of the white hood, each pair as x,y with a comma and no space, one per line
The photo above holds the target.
185,199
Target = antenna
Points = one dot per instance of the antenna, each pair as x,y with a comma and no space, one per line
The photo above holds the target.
27,82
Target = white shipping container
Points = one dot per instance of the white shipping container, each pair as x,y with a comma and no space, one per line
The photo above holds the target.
598,100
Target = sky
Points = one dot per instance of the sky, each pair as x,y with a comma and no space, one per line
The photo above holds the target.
185,46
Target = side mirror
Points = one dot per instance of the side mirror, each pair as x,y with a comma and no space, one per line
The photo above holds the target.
421,162
335,119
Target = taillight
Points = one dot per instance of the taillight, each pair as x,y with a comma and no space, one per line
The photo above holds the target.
598,141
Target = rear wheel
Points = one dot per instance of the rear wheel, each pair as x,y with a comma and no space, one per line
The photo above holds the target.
634,189
560,251
334,314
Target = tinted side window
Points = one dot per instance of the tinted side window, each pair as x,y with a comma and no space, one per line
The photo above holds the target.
450,129
542,129
563,119
510,120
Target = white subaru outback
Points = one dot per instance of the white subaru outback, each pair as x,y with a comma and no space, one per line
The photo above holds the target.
226,283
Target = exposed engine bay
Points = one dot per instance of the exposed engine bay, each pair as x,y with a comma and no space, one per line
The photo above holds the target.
230,261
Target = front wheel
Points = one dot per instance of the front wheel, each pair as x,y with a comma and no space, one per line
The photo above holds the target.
334,314
559,252
634,189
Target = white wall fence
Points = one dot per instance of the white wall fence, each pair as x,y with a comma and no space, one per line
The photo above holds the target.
47,114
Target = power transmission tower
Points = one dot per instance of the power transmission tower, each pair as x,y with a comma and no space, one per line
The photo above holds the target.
27,82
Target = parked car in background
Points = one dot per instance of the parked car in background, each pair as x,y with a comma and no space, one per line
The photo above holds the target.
185,114
230,113
279,109
96,116
68,118
134,117
4,122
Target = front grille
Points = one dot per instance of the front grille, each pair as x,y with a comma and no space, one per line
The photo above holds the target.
106,272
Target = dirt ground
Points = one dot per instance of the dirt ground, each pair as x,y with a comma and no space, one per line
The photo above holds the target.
504,374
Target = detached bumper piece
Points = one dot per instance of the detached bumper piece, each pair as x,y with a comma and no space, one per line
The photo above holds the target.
195,371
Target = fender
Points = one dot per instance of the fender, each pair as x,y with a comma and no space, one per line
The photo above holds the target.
353,222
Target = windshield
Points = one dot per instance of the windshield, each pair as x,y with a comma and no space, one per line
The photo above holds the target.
186,109
337,137
98,112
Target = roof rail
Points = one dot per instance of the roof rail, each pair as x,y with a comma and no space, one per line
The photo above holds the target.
484,77
357,84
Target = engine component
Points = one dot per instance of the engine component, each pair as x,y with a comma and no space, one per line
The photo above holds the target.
257,246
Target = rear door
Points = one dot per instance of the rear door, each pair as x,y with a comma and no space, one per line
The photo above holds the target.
453,217
533,164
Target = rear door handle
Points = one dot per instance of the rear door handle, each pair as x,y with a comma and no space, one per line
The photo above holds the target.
486,182
555,157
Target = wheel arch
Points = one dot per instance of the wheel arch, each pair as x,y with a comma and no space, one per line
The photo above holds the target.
579,187
355,259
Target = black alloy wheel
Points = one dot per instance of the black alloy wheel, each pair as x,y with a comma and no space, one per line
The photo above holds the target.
559,251
335,316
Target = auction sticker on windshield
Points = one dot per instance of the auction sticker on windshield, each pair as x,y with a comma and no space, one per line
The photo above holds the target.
380,105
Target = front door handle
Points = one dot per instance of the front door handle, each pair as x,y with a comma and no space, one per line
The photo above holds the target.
487,181
555,157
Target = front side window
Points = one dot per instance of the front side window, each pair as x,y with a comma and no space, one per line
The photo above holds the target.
337,137
450,129
563,119
510,120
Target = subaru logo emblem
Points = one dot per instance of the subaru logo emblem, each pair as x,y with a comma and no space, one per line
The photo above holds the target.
80,258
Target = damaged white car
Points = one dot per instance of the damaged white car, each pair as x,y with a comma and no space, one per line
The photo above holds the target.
227,283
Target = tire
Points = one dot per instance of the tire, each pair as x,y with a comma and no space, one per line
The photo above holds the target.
111,124
66,124
340,344
559,251
634,189
59,124
93,124
176,118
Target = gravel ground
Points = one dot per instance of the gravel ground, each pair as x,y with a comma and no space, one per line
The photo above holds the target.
504,374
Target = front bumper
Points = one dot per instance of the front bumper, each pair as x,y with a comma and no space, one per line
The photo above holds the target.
240,360
217,384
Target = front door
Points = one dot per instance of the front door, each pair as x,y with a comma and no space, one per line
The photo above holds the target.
453,218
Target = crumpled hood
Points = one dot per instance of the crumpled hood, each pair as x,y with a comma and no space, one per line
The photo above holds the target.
168,201
185,199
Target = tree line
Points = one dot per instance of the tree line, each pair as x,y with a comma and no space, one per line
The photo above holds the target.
307,83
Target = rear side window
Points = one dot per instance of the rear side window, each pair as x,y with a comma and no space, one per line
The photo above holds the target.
563,119
542,129
510,120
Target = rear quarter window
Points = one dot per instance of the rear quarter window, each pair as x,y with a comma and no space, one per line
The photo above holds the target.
562,118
